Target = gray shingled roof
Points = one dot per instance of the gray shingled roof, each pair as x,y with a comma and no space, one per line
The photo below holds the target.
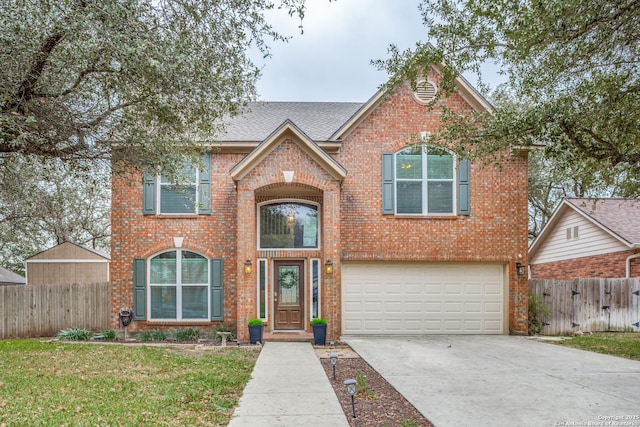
620,216
318,120
10,278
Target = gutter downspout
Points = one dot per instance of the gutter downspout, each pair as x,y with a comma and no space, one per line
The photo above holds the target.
629,258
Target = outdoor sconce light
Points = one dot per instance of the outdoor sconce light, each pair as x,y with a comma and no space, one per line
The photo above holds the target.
328,267
520,268
334,362
351,391
247,267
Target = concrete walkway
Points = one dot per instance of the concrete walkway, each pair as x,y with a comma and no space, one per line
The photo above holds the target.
288,387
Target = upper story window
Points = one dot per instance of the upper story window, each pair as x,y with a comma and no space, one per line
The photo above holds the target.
189,192
425,181
288,225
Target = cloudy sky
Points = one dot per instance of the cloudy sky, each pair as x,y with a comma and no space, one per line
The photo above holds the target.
331,60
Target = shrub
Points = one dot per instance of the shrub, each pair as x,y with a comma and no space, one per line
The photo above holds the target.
537,310
76,334
255,322
189,334
152,336
318,321
110,335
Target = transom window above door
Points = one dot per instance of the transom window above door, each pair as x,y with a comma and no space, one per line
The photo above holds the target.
288,225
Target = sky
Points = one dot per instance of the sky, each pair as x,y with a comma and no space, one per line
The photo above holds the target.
331,60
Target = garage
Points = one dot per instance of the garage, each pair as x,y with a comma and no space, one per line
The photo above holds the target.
418,298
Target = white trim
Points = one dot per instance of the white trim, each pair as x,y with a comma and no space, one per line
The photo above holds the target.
61,261
197,194
266,290
292,201
311,261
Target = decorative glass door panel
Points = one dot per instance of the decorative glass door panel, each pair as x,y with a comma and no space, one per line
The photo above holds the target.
289,294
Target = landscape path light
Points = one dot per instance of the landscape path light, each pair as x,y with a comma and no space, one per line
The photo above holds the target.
351,391
334,362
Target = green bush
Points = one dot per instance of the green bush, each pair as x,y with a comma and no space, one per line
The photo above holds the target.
255,322
76,334
146,336
537,310
110,335
189,334
318,321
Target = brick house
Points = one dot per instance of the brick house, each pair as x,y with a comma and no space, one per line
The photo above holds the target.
330,210
588,238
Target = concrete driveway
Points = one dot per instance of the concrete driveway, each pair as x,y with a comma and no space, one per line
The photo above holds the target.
506,380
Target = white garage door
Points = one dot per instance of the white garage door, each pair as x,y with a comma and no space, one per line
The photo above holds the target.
436,298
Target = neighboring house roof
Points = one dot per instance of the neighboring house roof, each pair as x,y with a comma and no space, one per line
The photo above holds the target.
618,218
8,277
53,250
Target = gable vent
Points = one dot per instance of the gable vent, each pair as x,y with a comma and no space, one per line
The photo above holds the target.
425,91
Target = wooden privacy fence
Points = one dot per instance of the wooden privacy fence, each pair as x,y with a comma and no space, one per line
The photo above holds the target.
44,310
589,305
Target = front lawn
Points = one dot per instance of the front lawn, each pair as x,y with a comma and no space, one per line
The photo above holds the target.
616,344
55,383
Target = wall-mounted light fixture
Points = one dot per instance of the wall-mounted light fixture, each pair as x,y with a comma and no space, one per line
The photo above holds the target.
328,268
520,268
247,267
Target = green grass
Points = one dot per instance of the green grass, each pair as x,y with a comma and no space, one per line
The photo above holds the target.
625,345
57,383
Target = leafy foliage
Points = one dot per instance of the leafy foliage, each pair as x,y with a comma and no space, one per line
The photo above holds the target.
255,322
146,336
537,310
110,335
187,335
573,64
137,82
75,334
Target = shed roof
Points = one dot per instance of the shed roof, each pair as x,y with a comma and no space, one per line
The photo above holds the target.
8,277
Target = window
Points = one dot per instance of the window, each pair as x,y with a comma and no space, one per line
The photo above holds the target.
178,286
187,193
262,289
288,226
315,288
425,180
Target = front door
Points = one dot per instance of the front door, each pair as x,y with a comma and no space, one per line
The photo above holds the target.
289,294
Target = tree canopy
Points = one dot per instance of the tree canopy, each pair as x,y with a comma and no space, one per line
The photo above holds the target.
573,64
147,77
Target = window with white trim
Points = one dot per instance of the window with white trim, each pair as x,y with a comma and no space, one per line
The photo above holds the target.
178,286
425,181
179,195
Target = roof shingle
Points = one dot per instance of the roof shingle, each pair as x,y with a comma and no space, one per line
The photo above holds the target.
620,216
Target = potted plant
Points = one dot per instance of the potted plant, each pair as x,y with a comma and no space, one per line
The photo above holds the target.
319,326
255,330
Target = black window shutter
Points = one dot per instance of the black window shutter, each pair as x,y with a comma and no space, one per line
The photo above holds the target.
139,289
387,184
217,294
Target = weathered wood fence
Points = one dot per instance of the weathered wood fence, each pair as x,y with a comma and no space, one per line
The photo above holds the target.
44,310
589,305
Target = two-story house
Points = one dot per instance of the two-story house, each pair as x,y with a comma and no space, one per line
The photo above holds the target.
334,210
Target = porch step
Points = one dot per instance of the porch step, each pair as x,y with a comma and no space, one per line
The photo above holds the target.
293,336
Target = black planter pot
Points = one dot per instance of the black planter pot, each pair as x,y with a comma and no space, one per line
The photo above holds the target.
319,334
255,333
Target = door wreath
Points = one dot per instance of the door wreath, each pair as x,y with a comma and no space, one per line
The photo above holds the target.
288,278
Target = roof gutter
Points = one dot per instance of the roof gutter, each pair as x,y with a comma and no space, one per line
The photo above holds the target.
629,258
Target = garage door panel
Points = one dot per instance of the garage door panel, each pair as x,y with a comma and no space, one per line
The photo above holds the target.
383,298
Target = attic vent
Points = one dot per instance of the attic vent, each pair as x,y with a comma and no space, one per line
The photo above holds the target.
425,91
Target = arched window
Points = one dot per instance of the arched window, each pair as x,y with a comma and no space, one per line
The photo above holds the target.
425,181
288,225
179,286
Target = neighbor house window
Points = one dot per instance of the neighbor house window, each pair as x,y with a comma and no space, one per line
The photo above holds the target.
288,225
425,183
179,286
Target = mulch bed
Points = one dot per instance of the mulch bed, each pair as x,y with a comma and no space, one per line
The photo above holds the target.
381,406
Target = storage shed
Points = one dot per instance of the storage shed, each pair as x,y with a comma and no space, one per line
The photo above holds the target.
68,263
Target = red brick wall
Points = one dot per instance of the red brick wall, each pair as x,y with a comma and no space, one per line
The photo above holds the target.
352,225
496,230
611,265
